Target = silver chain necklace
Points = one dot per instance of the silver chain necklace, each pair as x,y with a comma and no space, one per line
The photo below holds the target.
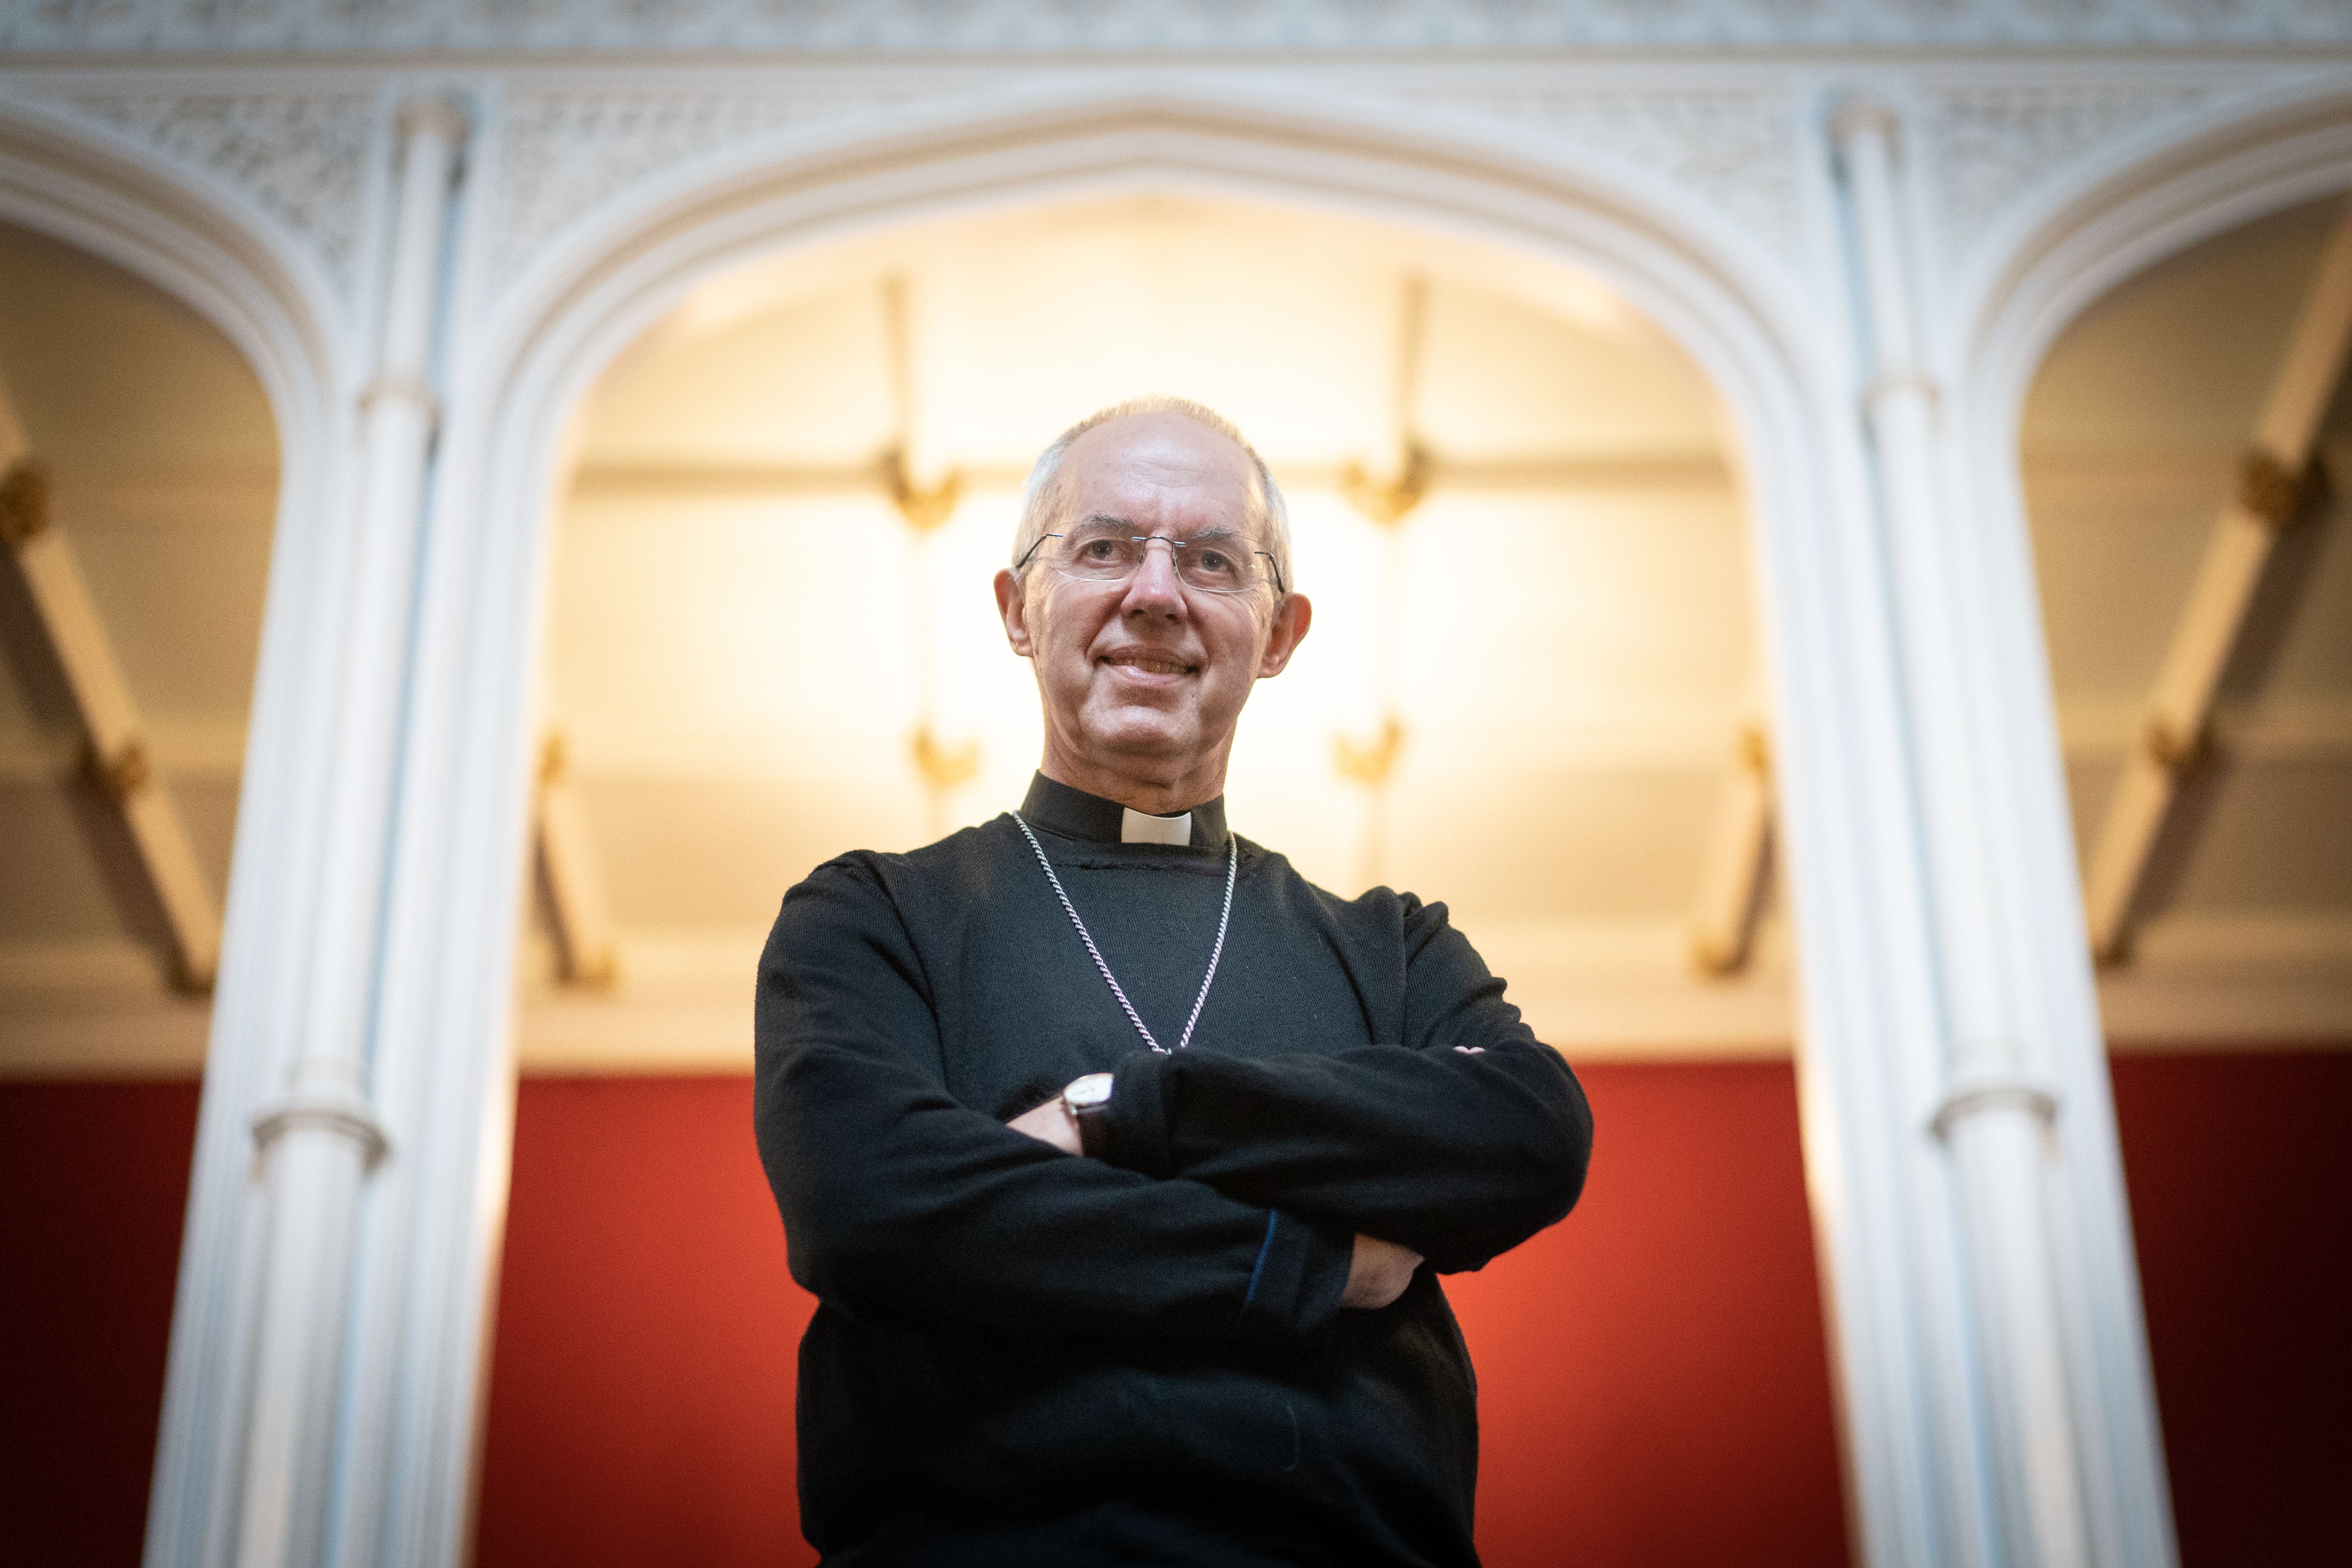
1233,865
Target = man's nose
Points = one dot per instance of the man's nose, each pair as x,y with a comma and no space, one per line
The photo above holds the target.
1156,586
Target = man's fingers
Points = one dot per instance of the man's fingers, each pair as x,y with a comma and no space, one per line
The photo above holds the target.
1378,1273
1049,1124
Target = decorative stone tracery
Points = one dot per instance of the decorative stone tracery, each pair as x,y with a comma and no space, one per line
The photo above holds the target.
1733,150
1998,142
299,156
569,150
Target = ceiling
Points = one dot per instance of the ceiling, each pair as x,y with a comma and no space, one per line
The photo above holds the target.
747,634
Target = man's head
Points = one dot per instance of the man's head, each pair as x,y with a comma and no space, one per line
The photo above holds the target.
1143,673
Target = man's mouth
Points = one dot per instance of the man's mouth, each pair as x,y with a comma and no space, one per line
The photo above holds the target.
1150,664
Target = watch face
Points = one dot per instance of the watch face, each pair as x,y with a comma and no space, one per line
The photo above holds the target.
1090,1093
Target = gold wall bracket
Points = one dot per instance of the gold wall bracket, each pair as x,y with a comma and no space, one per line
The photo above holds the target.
1391,503
944,767
924,509
1369,764
23,500
2276,495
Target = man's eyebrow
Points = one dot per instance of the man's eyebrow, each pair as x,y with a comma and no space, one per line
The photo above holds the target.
1104,518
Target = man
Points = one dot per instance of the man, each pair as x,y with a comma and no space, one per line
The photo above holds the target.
1121,1160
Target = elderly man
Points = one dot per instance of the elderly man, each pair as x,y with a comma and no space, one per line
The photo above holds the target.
1120,1158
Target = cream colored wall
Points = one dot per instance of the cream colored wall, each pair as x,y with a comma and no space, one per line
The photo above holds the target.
165,460
2130,444
731,729
744,629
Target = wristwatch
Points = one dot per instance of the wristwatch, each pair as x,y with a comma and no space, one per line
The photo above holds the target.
1087,1099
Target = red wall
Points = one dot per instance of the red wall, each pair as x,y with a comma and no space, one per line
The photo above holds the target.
93,1183
1652,1383
2241,1204
1653,1387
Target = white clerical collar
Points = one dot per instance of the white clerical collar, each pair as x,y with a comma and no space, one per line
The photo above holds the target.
1142,827
1089,818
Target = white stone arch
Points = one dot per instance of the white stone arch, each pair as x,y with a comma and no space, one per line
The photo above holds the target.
536,349
538,345
1781,373
2110,220
239,273
2244,160
2119,215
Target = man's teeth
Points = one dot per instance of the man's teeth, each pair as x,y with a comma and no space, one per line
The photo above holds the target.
1156,666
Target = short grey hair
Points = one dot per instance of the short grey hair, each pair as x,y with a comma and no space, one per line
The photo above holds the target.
1041,500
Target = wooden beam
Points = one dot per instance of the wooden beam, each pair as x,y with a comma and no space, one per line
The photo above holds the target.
2278,483
926,500
117,759
585,955
1389,493
1731,897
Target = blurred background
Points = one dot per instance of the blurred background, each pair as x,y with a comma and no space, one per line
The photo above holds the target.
1533,689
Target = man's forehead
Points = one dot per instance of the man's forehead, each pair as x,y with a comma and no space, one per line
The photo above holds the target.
1158,449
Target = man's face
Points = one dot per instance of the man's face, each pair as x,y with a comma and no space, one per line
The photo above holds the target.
1144,678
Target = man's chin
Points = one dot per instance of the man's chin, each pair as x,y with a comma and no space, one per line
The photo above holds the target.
1142,735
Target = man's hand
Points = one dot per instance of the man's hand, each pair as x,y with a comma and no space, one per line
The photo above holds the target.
1379,1272
1053,1123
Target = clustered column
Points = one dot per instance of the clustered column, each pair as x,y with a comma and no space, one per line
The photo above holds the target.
319,1140
1994,1116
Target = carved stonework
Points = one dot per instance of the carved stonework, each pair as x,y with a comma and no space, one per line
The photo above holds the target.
1057,27
300,157
1995,144
568,151
1736,152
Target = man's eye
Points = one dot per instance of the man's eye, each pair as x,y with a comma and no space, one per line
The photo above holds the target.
1215,560
1099,550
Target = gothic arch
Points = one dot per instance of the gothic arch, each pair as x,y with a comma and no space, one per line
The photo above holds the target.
2244,160
601,283
229,266
458,855
243,279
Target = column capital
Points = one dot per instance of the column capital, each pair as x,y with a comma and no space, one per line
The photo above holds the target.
344,1114
402,389
1861,114
433,114
1900,380
1970,1096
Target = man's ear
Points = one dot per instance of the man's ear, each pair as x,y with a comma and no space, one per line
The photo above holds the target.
1014,605
1292,616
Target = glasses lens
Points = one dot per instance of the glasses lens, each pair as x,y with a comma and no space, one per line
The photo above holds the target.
1214,564
1101,556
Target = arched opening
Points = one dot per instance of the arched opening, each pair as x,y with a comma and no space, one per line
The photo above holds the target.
2196,580
141,476
771,640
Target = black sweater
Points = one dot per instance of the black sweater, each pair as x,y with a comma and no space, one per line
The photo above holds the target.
1027,1357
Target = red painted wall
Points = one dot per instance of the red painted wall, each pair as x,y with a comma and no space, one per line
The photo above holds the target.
2241,1204
1652,1383
1653,1386
93,1186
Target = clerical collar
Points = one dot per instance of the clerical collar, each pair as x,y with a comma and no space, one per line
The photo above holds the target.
1073,813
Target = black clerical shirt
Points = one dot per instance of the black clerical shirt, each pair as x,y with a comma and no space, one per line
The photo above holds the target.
1022,1356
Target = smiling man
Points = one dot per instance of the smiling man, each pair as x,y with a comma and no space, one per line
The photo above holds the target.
1120,1158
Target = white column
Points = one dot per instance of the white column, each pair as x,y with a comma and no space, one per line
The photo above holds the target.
2014,1343
319,1141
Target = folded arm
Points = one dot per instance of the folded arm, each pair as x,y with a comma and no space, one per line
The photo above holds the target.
1459,1142
901,1202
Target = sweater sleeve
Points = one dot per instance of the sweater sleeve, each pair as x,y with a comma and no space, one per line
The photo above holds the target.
901,1204
1459,1155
